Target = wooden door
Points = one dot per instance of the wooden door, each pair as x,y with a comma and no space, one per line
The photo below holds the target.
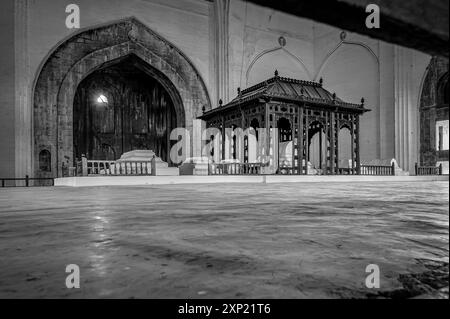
116,113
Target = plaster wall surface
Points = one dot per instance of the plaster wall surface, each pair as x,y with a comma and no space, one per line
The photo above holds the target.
7,142
182,22
351,65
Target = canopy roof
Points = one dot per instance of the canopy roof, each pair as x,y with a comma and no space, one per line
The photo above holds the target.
289,90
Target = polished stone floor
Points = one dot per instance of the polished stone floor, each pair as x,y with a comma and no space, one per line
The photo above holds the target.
224,241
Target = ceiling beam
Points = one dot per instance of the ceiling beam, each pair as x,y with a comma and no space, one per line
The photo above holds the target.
419,24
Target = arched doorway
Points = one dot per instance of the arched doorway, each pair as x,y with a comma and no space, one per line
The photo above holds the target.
89,51
318,143
251,142
345,149
285,142
434,115
120,108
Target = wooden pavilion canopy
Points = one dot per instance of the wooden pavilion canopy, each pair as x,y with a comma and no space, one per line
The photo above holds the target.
295,110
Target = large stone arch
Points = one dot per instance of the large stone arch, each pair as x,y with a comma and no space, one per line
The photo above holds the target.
91,49
433,108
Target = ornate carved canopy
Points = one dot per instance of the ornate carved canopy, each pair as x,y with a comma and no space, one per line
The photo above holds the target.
298,109
289,91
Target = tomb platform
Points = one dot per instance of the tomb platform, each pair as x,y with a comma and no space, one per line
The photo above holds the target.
86,181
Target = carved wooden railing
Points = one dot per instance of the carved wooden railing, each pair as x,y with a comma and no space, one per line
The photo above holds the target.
255,169
377,170
374,170
288,170
96,167
132,168
428,170
87,167
235,169
347,171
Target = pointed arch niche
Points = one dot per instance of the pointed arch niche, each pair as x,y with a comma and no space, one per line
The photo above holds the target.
279,58
352,70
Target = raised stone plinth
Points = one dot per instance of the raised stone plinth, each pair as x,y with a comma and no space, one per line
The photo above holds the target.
238,179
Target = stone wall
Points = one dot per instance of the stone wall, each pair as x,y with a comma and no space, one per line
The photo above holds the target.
353,66
7,78
90,50
232,43
432,109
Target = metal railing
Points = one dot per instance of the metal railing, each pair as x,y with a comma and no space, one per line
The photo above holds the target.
26,181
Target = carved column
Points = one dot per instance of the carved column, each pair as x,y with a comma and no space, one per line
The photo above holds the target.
223,137
353,158
300,140
306,141
358,159
219,48
408,69
336,134
23,98
331,125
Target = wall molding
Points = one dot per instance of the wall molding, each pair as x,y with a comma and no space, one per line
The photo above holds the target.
275,49
220,26
66,66
336,48
23,111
